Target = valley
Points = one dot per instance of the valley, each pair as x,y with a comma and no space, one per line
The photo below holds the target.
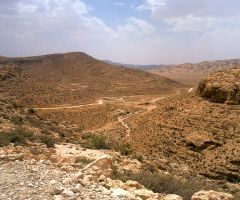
73,105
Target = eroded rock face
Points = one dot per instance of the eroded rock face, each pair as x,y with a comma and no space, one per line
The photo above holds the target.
222,87
209,195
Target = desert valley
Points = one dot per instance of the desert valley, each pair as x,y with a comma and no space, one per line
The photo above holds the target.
74,127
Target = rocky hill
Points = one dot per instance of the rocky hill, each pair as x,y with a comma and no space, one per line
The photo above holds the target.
74,78
222,86
190,73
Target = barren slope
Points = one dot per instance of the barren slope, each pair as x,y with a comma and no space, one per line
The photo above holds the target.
190,73
77,77
194,133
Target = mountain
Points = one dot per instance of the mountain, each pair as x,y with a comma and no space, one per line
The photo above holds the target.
189,73
142,67
73,78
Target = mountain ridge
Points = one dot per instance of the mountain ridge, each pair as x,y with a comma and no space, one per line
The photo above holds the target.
192,73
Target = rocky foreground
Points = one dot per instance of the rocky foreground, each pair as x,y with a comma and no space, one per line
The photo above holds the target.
63,173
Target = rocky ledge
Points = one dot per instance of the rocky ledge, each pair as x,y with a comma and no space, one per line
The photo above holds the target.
25,176
222,86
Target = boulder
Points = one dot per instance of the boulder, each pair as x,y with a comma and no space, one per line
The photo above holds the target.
134,184
222,86
145,194
172,197
101,166
212,195
119,192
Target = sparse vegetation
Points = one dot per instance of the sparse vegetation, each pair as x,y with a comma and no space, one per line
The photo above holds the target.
165,183
125,149
49,141
182,134
98,141
18,136
31,111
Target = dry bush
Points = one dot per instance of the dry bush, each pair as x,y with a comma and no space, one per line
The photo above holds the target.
165,183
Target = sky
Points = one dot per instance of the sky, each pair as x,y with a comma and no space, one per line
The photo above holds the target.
125,31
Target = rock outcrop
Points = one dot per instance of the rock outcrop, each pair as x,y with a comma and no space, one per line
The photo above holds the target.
44,179
222,86
210,195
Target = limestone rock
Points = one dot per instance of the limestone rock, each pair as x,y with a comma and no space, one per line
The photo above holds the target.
210,195
68,193
145,194
172,197
134,184
79,175
57,191
119,192
223,86
101,166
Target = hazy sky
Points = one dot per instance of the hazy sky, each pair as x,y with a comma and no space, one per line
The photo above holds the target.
126,31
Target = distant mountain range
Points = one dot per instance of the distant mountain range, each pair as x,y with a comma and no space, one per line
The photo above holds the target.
192,73
142,67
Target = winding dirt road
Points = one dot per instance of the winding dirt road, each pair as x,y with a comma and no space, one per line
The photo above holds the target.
94,104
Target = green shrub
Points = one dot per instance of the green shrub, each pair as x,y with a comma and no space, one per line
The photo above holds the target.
18,136
125,149
31,111
99,141
49,141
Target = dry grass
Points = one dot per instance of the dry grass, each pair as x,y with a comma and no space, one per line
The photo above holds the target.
165,183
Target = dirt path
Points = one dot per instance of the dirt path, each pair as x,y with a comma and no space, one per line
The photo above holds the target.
148,108
94,104
128,129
